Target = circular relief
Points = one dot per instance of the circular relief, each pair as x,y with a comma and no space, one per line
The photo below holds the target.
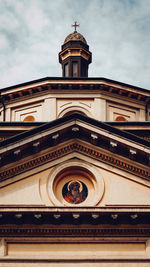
120,118
75,192
29,118
75,183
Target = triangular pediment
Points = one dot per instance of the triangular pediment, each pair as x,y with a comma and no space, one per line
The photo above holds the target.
74,133
80,142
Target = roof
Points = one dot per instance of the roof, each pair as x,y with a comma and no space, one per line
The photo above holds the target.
75,116
127,123
73,85
75,36
60,79
20,123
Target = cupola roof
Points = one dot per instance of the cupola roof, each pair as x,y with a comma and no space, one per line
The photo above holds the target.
75,36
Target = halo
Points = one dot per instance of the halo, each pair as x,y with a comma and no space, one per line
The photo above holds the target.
69,185
80,188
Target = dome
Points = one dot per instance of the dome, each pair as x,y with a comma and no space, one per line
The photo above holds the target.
75,36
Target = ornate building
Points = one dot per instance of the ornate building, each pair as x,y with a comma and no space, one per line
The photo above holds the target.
75,169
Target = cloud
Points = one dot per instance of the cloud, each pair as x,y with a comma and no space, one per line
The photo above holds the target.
32,32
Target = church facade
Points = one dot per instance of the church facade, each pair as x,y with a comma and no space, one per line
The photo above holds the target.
75,169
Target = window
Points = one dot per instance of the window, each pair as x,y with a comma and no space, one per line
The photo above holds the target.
83,70
66,70
74,69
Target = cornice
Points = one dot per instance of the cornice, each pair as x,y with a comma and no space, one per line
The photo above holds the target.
84,149
76,222
72,85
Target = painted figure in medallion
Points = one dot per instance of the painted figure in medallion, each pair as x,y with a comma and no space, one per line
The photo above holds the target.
75,192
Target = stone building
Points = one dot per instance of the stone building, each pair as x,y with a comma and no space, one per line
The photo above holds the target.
75,169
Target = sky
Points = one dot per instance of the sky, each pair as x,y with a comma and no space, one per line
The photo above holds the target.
117,32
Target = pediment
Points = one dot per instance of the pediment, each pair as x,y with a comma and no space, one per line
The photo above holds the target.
108,155
74,134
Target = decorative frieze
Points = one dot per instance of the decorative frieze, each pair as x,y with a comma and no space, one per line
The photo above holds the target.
46,231
75,147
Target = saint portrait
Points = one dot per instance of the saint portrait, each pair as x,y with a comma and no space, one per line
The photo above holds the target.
74,192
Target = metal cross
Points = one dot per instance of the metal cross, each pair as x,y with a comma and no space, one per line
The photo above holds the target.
75,25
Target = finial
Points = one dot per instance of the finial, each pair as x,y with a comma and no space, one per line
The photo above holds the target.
75,26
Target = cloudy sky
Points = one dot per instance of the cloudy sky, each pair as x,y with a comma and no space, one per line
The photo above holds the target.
117,31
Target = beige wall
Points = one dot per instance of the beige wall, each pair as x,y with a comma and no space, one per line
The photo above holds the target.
49,107
82,264
125,253
109,184
78,250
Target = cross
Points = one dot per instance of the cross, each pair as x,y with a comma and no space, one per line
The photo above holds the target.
75,25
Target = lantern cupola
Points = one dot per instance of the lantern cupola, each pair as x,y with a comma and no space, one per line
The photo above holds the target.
75,56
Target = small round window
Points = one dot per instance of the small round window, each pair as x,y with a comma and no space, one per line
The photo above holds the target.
74,192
